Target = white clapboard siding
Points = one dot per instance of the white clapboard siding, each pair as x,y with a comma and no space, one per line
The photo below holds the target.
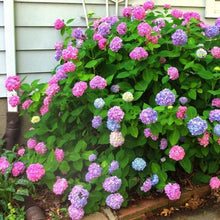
1,14
2,39
2,86
2,63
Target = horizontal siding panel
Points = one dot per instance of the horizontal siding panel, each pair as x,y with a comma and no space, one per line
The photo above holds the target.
35,61
2,39
1,15
2,86
64,1
41,15
44,77
2,63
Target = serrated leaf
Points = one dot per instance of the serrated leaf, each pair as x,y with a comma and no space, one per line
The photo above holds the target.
191,112
74,156
133,131
213,167
186,164
36,96
78,165
174,137
64,166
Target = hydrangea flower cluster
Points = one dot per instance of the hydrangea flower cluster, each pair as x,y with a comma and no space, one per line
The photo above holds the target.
79,88
99,103
113,125
183,100
114,201
217,129
27,104
104,29
216,102
147,133
201,53
14,100
13,83
173,191
211,32
139,13
116,44
181,113
112,184
92,157
176,13
77,33
138,53
35,172
96,121
204,141
18,168
173,73
154,179
58,24
163,143
214,183
60,186
41,148
128,97
113,166
116,139
139,164
59,154
144,29
197,126
148,116
165,97
176,153
94,171
115,88
122,28
179,38
214,115
4,164
31,143
115,113
98,82
70,53
215,51
68,67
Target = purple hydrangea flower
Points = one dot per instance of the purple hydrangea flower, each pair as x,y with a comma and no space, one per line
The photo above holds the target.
160,22
139,164
94,171
58,55
148,116
122,28
179,38
146,185
98,82
60,74
217,129
163,143
197,126
92,157
78,196
115,88
78,33
79,43
116,44
104,29
112,184
75,213
165,97
217,23
99,103
96,121
114,201
154,179
183,100
113,125
211,31
115,113
173,191
113,166
214,115
112,20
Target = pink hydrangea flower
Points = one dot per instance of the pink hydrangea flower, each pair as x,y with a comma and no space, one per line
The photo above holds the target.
176,153
98,82
69,67
79,88
31,143
167,6
58,24
52,90
116,139
127,12
44,109
215,51
116,114
176,13
60,186
75,213
4,164
173,191
14,100
214,182
146,185
97,36
147,133
53,80
122,28
138,53
204,141
173,73
216,102
139,13
18,168
70,53
35,172
102,43
58,45
181,113
59,153
27,104
116,44
41,148
188,15
144,29
21,152
148,5
47,100
13,83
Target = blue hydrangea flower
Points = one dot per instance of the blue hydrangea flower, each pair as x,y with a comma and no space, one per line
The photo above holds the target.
165,97
211,31
59,68
148,116
217,129
139,164
154,179
99,103
179,38
197,126
113,125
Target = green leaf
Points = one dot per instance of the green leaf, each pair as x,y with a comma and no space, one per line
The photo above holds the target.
91,64
78,165
36,96
34,83
104,139
189,65
155,168
205,151
167,166
141,85
133,131
74,156
191,112
86,154
80,146
18,197
213,167
51,164
25,87
205,74
198,67
186,164
200,177
137,95
174,137
192,94
70,20
167,53
64,166
51,140
120,155
123,75
22,182
22,192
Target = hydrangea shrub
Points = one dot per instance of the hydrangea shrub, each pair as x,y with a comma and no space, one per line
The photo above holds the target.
130,101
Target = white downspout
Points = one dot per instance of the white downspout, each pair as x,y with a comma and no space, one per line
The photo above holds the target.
10,51
85,13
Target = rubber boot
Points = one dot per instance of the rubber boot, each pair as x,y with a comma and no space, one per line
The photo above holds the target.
12,130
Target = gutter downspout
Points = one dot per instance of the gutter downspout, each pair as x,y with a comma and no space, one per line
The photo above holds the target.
12,126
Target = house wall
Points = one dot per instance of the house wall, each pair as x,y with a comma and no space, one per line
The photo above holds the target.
35,33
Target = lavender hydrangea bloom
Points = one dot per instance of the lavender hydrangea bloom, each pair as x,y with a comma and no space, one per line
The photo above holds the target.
115,88
104,29
92,157
146,185
113,20
58,55
197,126
217,129
183,100
60,74
148,116
214,115
163,143
94,171
78,196
112,184
114,201
79,43
217,23
139,164
165,97
113,125
96,121
211,31
99,103
113,166
179,38
75,213
154,179
116,44
78,33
